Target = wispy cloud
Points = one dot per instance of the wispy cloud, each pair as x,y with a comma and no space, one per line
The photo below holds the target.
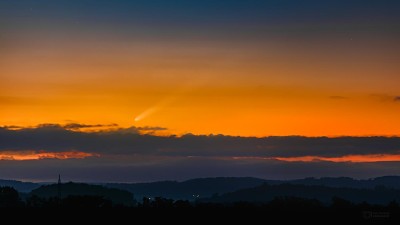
36,155
75,126
147,128
386,97
346,158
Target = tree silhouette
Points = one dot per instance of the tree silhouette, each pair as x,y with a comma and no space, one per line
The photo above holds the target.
9,197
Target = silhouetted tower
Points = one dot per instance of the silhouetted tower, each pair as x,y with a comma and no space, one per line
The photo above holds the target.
59,186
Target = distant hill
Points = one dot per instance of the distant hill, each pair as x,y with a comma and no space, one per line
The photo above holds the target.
206,187
266,193
117,196
189,190
19,185
387,181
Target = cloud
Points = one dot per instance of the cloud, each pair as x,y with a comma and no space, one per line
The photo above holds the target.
35,155
80,126
386,98
126,155
346,158
98,169
146,128
12,127
73,126
130,141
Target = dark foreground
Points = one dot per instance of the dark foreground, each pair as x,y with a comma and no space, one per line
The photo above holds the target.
203,216
101,210
241,213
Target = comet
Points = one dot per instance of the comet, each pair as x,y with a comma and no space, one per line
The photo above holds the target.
146,113
168,100
154,108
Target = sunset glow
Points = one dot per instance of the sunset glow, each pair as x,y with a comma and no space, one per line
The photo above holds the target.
37,155
347,158
326,86
156,90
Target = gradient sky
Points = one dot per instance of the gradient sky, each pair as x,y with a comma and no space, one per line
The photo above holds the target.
233,67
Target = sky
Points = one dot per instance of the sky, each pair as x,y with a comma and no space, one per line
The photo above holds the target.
182,89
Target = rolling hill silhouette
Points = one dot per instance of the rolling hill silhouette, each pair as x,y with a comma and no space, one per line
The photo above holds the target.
266,193
206,187
190,189
19,185
117,196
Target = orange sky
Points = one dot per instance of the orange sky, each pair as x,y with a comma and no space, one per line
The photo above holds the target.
69,69
235,88
237,71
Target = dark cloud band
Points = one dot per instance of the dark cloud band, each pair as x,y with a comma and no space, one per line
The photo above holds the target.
131,141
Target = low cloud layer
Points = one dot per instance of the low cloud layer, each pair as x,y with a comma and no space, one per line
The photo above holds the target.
130,141
102,170
128,155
